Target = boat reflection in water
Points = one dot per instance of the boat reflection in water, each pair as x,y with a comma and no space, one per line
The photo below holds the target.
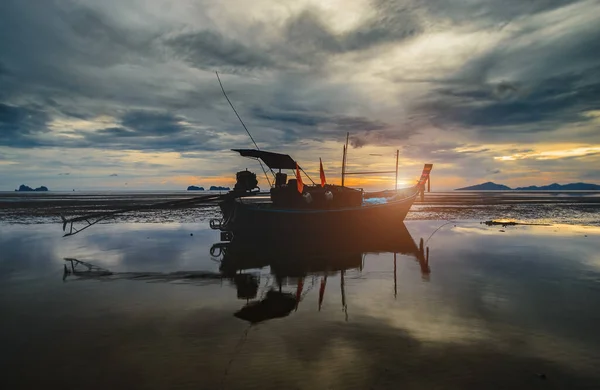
289,260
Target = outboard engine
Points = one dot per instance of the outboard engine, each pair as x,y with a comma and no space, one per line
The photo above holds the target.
245,181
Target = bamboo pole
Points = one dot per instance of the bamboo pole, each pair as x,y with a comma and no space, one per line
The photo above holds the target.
397,155
343,164
345,158
367,173
395,279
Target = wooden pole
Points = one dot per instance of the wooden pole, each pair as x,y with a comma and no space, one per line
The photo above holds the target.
343,164
347,137
344,306
395,280
397,154
429,183
345,158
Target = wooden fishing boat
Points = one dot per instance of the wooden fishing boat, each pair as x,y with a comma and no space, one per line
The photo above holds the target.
291,205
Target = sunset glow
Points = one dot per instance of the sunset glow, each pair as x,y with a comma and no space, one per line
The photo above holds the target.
123,94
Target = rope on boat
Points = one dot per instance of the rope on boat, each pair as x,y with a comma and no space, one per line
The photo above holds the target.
308,289
94,218
441,226
236,351
245,128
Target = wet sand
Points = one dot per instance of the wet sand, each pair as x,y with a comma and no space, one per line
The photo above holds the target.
575,207
494,307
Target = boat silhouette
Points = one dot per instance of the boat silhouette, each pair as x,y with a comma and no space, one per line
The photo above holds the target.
288,261
292,205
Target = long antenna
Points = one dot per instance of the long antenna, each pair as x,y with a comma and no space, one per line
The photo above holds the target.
245,128
236,114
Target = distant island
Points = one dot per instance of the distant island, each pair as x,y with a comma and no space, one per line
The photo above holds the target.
212,188
489,186
24,188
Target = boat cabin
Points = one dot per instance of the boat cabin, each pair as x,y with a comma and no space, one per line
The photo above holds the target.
286,192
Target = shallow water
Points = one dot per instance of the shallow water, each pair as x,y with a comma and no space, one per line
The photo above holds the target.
493,307
572,207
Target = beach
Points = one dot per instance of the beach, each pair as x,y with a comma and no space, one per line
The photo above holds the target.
477,307
570,207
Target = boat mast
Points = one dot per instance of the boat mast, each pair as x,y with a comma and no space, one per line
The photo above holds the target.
344,158
344,305
395,279
397,154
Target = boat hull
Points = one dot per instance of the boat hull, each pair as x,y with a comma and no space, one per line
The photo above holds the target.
241,215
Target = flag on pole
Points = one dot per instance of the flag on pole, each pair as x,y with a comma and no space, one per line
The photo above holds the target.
425,175
299,291
322,172
299,179
322,291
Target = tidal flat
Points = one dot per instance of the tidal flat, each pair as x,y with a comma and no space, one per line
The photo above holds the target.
159,305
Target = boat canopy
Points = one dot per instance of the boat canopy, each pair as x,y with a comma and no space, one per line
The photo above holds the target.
273,160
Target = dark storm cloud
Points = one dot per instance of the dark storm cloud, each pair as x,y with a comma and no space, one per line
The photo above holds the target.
490,11
19,126
304,40
150,130
23,126
538,107
20,119
113,131
105,33
362,137
390,24
3,70
211,49
289,117
52,31
130,141
321,126
311,119
541,77
83,61
153,123
349,123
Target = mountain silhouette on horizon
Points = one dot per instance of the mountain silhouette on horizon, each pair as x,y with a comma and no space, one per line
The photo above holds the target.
24,188
490,186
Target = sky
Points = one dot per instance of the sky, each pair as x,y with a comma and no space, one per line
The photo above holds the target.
122,94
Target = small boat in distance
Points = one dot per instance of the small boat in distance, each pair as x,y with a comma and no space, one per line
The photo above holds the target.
292,205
